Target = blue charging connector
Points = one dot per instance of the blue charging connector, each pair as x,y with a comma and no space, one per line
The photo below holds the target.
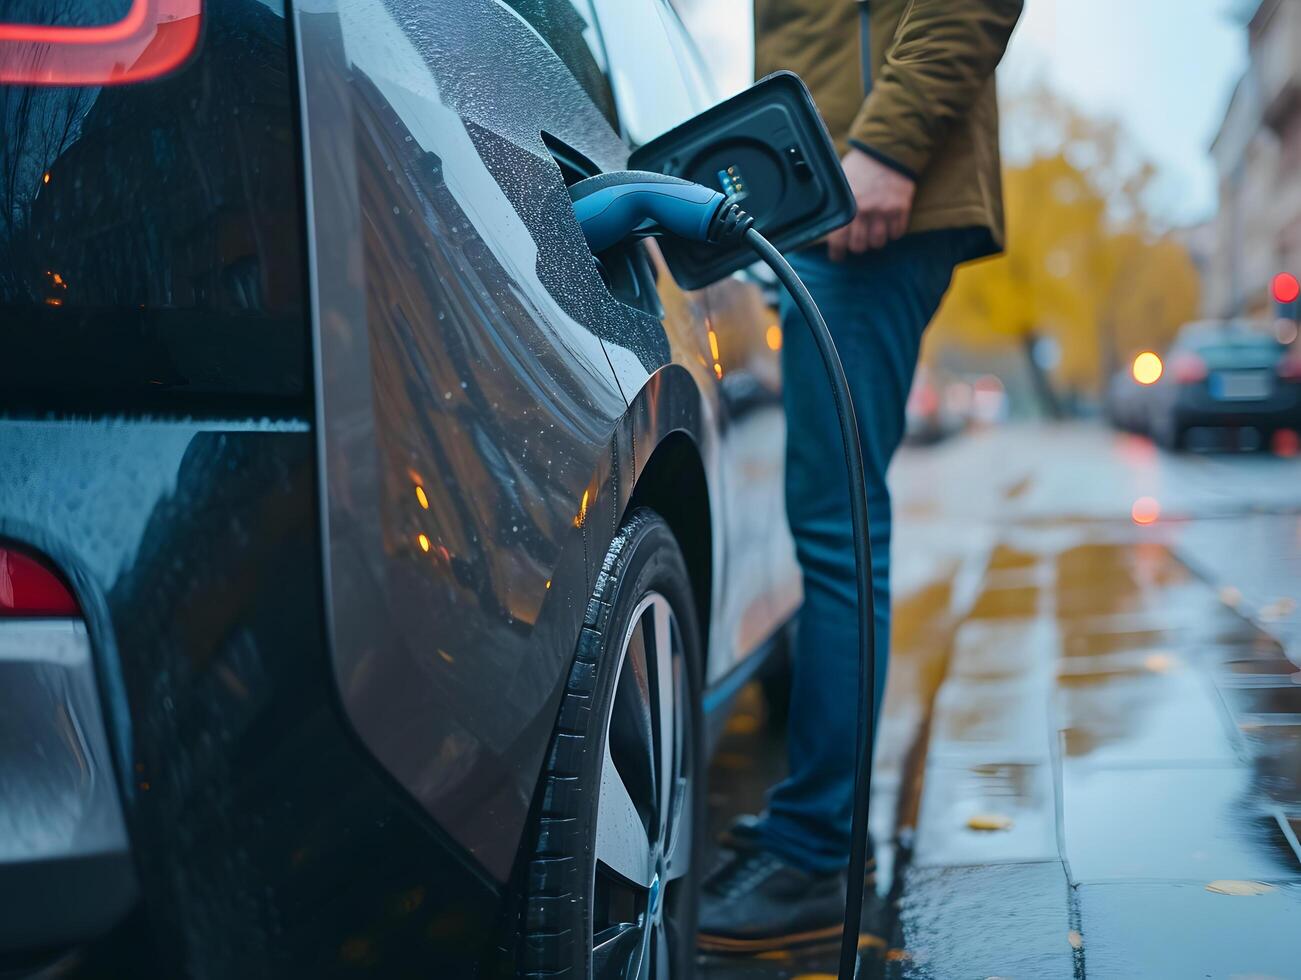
610,207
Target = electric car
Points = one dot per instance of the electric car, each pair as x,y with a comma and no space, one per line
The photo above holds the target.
374,561
1222,376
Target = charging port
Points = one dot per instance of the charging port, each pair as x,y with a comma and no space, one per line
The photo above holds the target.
626,268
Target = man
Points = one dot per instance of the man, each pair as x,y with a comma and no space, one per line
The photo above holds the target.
919,138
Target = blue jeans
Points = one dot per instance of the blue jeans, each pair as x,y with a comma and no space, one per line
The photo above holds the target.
877,306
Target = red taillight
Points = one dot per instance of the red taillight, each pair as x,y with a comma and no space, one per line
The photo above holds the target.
154,38
1285,288
1188,369
1289,369
28,587
926,399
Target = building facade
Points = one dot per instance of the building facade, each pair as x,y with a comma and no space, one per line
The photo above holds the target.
1257,155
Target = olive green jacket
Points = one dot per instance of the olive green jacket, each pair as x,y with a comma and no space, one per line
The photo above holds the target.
933,109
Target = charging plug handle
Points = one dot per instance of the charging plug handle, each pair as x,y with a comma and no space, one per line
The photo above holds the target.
612,206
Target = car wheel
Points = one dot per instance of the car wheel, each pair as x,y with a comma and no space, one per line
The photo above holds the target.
1169,436
611,885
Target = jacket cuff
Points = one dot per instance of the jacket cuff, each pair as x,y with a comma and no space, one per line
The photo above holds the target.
884,159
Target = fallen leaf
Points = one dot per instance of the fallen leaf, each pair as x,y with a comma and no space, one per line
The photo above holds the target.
1228,886
989,821
1075,939
742,724
897,955
1018,488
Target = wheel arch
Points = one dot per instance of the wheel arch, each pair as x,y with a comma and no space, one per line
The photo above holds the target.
670,436
673,484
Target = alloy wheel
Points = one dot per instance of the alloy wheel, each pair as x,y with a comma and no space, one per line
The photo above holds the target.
644,811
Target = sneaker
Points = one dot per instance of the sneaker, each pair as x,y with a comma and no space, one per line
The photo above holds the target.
742,834
756,902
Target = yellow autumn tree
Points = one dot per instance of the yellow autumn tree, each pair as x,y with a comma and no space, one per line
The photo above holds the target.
1085,264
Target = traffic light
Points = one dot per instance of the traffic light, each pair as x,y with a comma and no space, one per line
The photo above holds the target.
1286,291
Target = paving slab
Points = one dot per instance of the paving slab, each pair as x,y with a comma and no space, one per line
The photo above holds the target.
1194,825
955,799
1197,933
1148,708
1007,920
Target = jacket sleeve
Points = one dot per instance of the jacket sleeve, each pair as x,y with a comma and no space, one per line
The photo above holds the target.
940,59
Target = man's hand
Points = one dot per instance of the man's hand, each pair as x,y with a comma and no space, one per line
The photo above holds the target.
884,198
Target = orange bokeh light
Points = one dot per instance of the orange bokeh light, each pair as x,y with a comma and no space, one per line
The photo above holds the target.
1147,368
1145,510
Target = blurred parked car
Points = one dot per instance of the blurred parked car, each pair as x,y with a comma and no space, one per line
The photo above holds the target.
1226,375
1126,403
1128,400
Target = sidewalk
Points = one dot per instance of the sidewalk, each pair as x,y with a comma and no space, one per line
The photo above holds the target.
1111,783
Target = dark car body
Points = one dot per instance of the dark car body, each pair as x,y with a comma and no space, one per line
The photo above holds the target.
1126,403
1221,376
314,397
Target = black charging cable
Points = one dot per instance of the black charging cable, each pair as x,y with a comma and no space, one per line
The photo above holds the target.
610,207
863,575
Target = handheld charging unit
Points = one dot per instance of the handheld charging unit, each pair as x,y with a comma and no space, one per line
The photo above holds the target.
765,149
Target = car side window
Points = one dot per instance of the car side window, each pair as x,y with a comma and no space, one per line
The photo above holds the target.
569,29
645,70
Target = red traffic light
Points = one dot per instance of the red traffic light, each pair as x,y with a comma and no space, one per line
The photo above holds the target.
1285,288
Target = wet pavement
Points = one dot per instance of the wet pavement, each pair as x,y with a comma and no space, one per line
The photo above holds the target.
1090,760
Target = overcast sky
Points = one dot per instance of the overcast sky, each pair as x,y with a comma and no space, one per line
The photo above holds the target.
1164,68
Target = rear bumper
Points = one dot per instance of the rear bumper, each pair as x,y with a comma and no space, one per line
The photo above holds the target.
65,868
1262,416
1281,410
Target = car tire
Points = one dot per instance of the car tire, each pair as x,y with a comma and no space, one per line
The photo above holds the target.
1170,435
611,881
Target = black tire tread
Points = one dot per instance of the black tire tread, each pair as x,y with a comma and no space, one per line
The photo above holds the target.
555,878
